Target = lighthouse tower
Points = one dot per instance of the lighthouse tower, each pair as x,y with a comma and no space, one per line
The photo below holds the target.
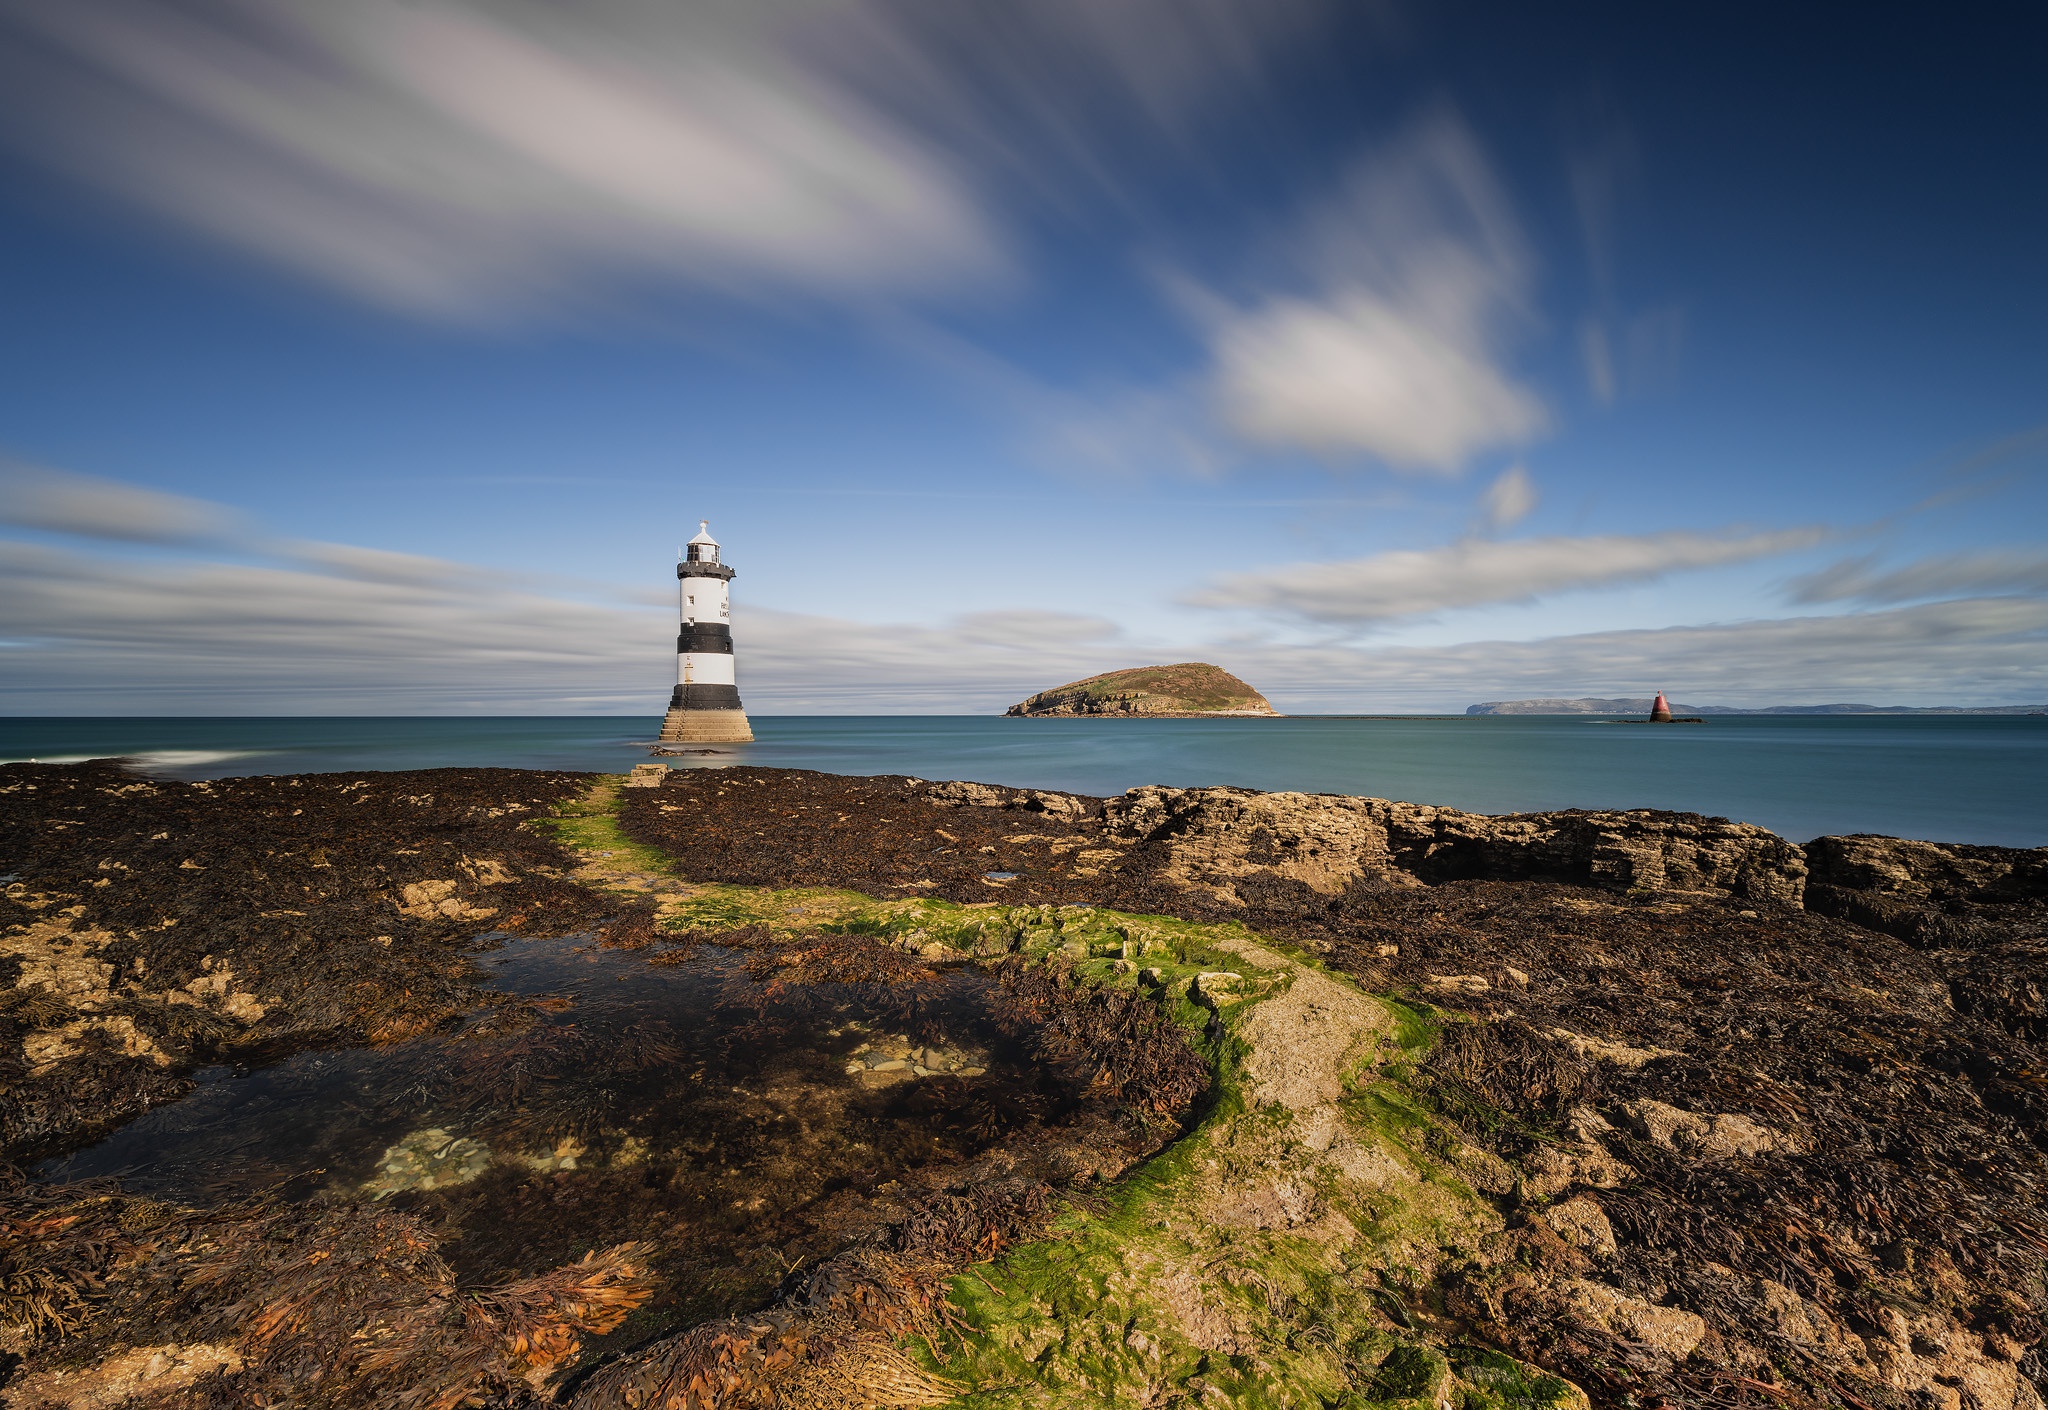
706,706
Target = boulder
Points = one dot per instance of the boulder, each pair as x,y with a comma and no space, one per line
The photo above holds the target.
1331,842
1669,1329
1930,894
1685,1132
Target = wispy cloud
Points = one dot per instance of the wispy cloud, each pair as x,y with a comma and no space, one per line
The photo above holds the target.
486,160
57,501
472,161
1950,575
1508,500
1417,273
97,635
224,619
1472,573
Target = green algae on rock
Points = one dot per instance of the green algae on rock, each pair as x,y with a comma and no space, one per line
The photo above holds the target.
1190,688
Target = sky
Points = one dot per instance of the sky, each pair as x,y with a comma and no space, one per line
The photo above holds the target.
375,356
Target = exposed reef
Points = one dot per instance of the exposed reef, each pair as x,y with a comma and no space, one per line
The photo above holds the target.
1753,1119
1191,688
1277,1100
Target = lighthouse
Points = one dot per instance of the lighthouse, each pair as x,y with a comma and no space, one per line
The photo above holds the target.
705,708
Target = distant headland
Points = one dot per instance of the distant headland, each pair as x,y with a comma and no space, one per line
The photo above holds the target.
1590,705
1192,688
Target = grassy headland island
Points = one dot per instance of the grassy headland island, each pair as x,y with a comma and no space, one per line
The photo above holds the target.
1191,688
980,1096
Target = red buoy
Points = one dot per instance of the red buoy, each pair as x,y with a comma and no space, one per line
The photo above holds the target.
1660,713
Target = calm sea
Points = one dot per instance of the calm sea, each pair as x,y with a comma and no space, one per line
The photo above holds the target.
1951,779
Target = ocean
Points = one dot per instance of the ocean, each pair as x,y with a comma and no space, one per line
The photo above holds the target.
1949,779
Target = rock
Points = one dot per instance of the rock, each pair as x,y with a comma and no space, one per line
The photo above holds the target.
125,1377
1582,1223
1457,983
1600,1050
1215,836
958,793
1705,1137
1216,988
439,900
647,776
1414,1373
1551,1170
428,1160
1191,688
564,1156
1929,894
1669,1329
961,794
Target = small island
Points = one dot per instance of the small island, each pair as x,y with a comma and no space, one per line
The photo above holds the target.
1192,688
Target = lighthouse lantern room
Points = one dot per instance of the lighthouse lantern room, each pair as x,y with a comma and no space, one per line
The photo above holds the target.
705,708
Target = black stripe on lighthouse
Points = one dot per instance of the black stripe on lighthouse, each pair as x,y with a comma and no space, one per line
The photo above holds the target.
704,637
705,697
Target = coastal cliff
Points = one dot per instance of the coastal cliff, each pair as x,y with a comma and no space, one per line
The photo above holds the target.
1189,689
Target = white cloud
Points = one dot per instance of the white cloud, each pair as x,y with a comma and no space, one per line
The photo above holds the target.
379,565
473,161
1419,274
1860,579
496,159
1508,500
1471,573
57,501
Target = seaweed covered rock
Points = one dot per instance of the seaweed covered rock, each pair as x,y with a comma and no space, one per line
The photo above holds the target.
151,926
1930,893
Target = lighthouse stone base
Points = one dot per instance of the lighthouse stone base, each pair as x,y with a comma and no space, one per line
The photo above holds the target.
685,726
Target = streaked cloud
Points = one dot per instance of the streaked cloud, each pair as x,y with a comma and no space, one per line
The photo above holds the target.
59,502
226,620
1416,275
379,565
1473,573
471,161
91,634
487,160
1949,575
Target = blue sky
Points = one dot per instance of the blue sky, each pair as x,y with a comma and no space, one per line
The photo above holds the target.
375,356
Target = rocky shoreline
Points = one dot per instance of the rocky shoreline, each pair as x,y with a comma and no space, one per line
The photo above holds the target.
1667,1108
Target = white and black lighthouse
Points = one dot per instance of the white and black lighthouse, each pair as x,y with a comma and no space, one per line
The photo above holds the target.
706,706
